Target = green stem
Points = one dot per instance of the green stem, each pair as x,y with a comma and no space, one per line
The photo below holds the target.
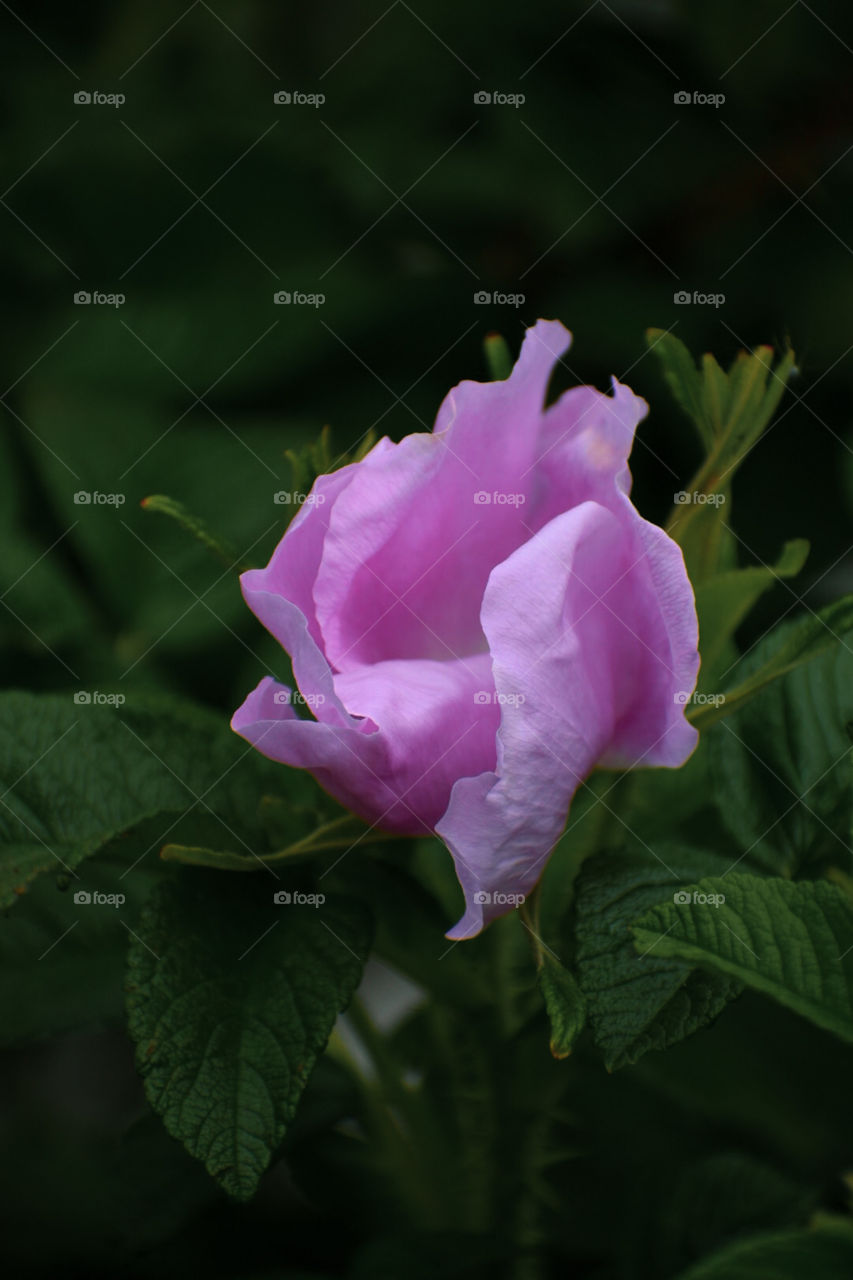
528,1263
377,1049
530,912
224,860
404,1128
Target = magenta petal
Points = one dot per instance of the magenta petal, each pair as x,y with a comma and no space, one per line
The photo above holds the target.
587,662
414,519
438,720
347,759
478,617
281,595
407,732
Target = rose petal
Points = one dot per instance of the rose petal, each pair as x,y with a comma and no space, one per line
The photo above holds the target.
280,595
411,729
409,549
588,656
439,721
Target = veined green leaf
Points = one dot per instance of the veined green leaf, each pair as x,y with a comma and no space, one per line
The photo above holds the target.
231,999
790,940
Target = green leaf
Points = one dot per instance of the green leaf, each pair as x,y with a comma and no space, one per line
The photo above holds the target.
564,1003
673,804
725,599
792,941
320,457
714,393
156,590
74,776
63,960
321,451
708,544
231,1000
730,411
787,648
824,1251
43,607
727,1194
781,765
687,384
755,389
635,1005
194,526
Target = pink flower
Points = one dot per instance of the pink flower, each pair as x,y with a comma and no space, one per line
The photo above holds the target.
478,616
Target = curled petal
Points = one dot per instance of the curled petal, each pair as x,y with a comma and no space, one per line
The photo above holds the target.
406,733
586,663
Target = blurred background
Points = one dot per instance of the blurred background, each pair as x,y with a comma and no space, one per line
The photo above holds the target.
587,162
197,198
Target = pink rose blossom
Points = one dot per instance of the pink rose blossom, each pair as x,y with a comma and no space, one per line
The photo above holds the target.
478,617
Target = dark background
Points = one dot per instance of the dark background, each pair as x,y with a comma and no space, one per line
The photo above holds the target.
398,199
